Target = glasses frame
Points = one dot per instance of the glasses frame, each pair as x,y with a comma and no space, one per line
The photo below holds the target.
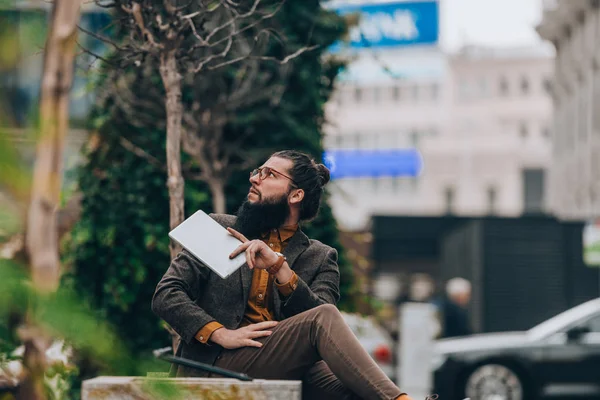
259,172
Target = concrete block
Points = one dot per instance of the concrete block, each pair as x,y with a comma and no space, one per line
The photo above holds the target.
149,388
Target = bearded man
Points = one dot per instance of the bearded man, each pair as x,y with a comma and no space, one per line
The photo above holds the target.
275,317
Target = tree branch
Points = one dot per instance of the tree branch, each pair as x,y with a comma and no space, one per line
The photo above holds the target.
138,151
249,26
214,56
232,21
136,11
101,38
96,56
265,58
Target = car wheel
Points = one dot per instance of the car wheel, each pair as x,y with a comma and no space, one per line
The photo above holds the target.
494,382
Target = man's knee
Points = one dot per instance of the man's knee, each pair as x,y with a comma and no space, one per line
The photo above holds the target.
327,310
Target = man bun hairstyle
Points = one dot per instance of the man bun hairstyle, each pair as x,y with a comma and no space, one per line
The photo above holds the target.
310,177
323,172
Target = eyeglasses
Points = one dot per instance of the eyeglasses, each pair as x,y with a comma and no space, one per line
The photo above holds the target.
264,172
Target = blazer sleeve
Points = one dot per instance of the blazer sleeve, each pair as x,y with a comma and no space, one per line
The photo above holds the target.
324,289
175,295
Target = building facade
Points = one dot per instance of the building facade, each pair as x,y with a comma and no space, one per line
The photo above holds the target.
481,123
573,27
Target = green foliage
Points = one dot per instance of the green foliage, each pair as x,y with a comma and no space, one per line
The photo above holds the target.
119,249
61,315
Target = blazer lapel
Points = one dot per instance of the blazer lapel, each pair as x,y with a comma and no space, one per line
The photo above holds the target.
298,243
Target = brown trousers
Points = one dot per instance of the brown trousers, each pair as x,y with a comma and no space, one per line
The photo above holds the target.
317,347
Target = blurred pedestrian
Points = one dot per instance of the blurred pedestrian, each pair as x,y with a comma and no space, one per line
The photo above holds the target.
454,308
421,288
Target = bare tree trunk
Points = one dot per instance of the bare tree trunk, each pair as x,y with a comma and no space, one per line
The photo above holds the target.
172,81
217,189
42,243
42,235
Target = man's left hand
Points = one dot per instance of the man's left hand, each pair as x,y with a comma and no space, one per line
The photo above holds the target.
258,254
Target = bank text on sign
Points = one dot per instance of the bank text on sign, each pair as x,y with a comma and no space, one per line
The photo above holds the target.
392,24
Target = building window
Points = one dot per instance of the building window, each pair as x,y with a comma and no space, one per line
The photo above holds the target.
414,184
435,91
524,85
414,139
375,184
360,141
358,95
377,95
546,132
533,190
415,93
338,143
350,141
491,199
503,86
396,93
449,200
547,86
397,184
463,89
523,131
483,87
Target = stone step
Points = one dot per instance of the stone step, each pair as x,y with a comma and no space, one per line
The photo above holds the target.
153,388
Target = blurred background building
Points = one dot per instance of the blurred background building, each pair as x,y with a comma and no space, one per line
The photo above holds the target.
478,118
574,27
444,156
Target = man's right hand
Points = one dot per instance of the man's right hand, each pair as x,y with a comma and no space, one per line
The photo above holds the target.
242,337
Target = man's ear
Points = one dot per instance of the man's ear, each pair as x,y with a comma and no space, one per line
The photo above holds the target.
297,196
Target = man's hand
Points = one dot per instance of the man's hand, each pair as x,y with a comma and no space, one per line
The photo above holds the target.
258,254
242,337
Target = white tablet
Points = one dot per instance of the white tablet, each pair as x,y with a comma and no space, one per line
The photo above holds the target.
209,242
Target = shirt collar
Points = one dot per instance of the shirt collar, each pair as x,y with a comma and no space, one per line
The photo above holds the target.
285,232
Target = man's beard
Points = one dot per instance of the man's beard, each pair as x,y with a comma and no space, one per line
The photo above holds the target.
255,219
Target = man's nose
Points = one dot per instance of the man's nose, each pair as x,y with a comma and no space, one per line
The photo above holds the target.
254,179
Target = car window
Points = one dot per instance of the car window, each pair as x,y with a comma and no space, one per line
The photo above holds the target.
594,324
564,320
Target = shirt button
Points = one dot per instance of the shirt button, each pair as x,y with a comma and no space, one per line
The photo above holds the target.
271,244
201,337
260,295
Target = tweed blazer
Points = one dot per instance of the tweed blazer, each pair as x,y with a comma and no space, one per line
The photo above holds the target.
190,295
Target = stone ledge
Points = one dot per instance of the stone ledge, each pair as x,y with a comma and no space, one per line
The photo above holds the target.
140,388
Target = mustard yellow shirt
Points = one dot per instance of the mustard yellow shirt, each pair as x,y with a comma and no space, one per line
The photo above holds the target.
260,302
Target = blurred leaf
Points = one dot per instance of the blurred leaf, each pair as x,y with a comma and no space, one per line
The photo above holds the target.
161,389
14,175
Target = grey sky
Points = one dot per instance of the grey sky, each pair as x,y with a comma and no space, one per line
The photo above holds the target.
489,22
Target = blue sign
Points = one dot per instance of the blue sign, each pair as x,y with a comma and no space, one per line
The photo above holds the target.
373,163
392,24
